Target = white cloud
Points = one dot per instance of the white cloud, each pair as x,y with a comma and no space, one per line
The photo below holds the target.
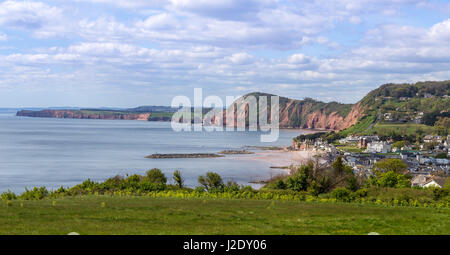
3,36
298,59
222,9
240,58
110,50
103,29
284,47
355,20
440,31
408,44
129,4
159,21
32,16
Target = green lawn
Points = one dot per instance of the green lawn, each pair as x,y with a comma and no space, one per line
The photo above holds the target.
143,215
407,128
350,148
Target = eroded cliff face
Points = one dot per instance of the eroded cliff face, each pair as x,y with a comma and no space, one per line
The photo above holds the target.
306,114
333,121
83,115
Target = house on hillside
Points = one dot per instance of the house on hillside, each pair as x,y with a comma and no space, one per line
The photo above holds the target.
435,181
364,140
428,139
388,116
378,147
420,179
432,138
349,139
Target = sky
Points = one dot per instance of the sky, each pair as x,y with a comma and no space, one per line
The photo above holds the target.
120,53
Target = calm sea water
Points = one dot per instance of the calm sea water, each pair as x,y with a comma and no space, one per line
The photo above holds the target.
54,152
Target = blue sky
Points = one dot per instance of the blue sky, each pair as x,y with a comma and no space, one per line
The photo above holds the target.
119,53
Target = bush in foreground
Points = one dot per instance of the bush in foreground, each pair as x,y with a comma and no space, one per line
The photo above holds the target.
212,187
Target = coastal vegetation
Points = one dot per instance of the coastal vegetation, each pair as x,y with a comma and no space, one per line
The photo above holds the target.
312,200
310,182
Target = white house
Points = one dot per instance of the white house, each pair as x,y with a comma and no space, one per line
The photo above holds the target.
378,147
419,180
436,181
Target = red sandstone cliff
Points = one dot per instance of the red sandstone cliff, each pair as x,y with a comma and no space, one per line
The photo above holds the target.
71,114
308,114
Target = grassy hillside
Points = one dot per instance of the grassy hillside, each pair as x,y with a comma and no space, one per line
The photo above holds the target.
143,215
422,102
396,91
405,129
407,109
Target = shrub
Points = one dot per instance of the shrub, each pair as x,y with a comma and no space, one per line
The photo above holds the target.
361,193
352,183
199,189
132,182
86,185
178,179
34,194
247,189
439,193
9,195
231,186
112,183
299,180
390,164
279,184
156,176
341,194
212,181
146,185
390,179
314,188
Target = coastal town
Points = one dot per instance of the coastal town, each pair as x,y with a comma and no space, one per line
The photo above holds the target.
428,162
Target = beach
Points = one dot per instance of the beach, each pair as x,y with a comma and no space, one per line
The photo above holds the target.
282,158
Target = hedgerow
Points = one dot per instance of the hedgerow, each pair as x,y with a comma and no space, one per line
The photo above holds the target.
137,185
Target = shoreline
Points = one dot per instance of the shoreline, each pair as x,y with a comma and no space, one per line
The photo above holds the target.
19,112
280,159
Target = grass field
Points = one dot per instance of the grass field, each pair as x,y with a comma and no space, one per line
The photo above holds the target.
407,128
350,148
143,215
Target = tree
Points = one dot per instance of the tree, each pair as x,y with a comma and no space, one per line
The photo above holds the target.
398,144
390,164
392,179
442,126
441,155
299,181
338,165
352,183
156,176
430,145
279,184
211,182
341,194
178,179
341,174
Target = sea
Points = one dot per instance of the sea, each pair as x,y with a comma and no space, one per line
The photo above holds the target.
52,152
